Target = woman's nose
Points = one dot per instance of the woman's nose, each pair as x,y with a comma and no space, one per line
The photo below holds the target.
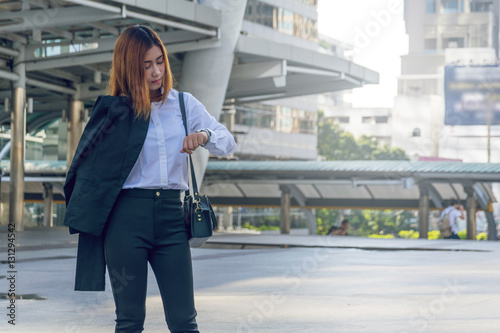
156,70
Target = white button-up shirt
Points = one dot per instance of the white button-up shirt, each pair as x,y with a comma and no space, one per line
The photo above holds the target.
160,163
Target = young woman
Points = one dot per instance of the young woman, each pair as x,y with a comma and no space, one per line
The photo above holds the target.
124,185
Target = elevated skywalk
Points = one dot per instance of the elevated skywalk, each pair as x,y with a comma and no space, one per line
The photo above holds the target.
420,186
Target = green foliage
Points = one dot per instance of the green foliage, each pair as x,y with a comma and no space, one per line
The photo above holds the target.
380,236
481,236
434,234
260,228
335,144
411,234
366,222
325,218
387,152
462,234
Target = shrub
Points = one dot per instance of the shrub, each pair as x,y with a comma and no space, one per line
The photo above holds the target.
462,234
481,236
434,234
408,234
380,236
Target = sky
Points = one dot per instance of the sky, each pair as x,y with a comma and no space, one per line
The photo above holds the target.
375,28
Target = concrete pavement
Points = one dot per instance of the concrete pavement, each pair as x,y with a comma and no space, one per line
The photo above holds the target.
278,283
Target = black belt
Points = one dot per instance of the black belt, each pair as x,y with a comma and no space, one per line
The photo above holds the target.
151,193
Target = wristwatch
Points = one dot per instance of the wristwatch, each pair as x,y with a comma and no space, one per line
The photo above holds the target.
208,135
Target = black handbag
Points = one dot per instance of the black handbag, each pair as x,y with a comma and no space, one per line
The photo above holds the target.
198,213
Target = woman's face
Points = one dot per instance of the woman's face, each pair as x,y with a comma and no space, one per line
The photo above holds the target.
154,64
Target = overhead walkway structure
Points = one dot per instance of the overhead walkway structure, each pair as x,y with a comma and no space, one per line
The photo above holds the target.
54,56
422,186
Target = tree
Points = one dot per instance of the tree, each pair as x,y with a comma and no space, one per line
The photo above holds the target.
336,144
389,153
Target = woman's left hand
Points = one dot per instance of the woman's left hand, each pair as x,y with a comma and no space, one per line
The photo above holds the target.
193,141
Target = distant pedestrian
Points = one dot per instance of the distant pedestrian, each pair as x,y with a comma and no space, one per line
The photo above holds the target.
340,231
124,185
449,216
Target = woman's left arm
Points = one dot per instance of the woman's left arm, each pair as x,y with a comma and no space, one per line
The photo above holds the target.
220,141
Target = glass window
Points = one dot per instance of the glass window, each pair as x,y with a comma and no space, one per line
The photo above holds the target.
431,6
286,119
310,2
449,6
430,45
282,20
416,132
266,15
453,43
480,6
381,120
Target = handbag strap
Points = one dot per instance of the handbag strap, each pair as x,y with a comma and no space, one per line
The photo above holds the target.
193,176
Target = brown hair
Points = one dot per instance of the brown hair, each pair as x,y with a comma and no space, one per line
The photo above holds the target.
127,76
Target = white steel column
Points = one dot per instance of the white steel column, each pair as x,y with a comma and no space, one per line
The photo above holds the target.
18,130
48,205
205,73
75,128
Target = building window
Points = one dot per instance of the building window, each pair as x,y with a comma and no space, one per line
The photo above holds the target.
310,2
453,43
480,6
282,20
343,120
430,45
367,120
449,6
381,120
430,7
416,132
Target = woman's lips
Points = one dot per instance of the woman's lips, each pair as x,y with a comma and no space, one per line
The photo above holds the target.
157,81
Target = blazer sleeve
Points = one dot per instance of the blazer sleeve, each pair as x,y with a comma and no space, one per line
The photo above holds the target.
90,133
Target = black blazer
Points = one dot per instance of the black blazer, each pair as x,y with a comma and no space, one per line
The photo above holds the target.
106,153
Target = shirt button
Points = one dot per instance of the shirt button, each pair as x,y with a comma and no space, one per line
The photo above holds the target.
157,194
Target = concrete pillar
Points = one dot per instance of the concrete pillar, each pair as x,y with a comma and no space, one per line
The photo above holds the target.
423,212
17,149
340,217
492,228
227,218
471,208
228,119
312,224
75,128
205,73
48,205
285,211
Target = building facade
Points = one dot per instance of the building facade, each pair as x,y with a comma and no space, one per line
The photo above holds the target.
443,33
237,57
283,128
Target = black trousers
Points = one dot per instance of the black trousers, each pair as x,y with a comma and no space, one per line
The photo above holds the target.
148,226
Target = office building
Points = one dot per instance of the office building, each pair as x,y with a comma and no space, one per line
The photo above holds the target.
444,33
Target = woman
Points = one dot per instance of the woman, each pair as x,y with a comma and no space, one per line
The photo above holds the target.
124,185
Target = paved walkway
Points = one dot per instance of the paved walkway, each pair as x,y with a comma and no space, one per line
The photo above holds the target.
278,283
